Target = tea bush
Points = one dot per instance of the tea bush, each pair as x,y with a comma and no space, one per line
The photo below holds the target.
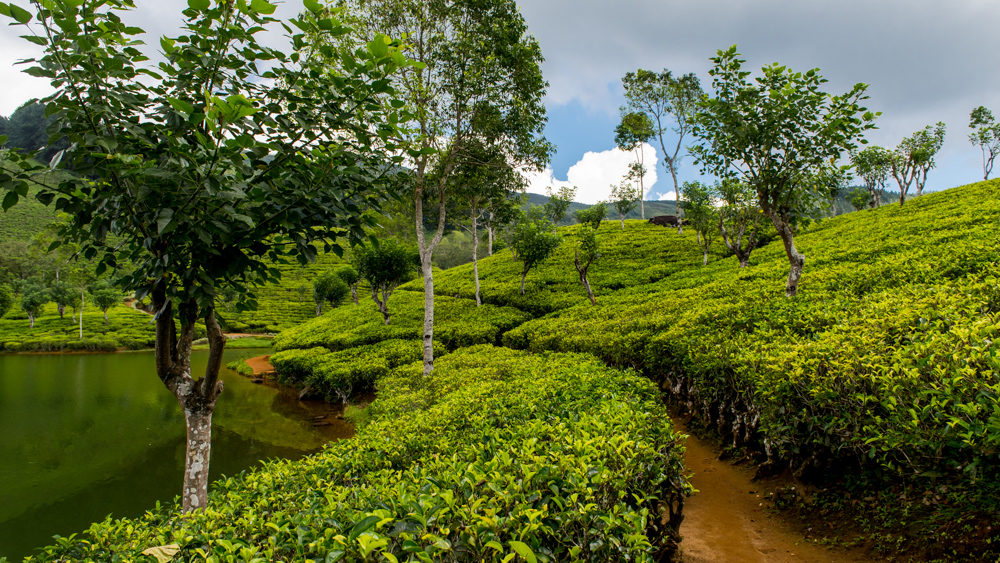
127,328
457,323
499,454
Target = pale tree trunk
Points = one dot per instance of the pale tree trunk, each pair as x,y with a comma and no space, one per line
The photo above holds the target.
197,398
623,221
705,261
796,260
524,274
677,202
319,309
106,321
489,231
83,303
426,254
582,270
475,256
354,293
31,318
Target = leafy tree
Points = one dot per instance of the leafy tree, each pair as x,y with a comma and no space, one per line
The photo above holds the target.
63,295
384,266
558,204
351,278
873,164
329,288
228,295
779,134
27,130
593,215
500,213
6,299
915,157
634,130
665,99
699,208
34,296
208,168
986,134
739,218
478,84
624,198
105,296
860,199
586,254
534,241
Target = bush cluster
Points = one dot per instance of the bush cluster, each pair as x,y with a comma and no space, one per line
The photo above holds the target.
127,328
500,454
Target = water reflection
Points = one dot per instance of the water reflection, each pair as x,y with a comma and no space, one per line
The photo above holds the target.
84,436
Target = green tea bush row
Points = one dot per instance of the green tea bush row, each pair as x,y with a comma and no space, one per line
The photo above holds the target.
457,323
337,376
500,454
887,358
127,328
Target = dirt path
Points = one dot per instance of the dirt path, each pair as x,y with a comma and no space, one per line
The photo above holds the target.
727,520
260,365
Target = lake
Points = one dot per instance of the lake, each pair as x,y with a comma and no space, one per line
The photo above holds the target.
85,436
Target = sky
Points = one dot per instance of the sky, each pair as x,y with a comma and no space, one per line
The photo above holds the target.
924,61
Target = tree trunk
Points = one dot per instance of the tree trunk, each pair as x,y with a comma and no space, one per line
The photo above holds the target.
582,270
426,254
197,398
31,318
489,230
105,317
354,293
475,257
62,311
796,260
319,309
83,302
623,222
677,200
744,259
705,261
524,274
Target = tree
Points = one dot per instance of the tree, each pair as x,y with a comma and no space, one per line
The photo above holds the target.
699,208
6,299
478,84
873,164
534,241
635,130
500,213
739,218
384,266
586,254
558,204
986,134
351,278
779,134
105,296
34,296
329,288
593,215
860,199
63,295
915,157
664,99
623,197
207,169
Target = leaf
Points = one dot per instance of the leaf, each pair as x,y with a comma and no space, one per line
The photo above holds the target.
163,553
180,105
263,7
9,200
524,551
362,527
19,14
163,219
56,159
199,5
312,5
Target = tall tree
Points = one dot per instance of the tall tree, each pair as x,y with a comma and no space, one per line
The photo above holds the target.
207,169
778,133
986,134
914,158
665,99
559,202
699,208
873,164
384,266
478,84
635,130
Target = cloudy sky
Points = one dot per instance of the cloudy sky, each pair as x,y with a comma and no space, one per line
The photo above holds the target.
925,61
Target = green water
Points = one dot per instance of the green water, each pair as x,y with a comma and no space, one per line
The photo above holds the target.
87,436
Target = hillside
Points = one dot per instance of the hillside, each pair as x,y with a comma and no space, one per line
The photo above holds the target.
877,384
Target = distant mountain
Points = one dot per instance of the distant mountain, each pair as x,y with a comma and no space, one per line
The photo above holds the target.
653,208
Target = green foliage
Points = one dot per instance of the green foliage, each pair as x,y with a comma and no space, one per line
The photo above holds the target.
459,466
6,299
861,368
240,367
914,157
458,323
986,134
534,241
127,328
34,296
558,204
873,165
105,296
593,215
384,266
635,128
700,211
329,288
625,198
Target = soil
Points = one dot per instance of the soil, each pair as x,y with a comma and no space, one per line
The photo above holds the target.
729,519
260,365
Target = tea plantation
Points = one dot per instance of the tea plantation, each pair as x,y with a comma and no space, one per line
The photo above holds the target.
542,436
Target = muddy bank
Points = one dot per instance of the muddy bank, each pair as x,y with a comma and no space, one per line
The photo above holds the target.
728,520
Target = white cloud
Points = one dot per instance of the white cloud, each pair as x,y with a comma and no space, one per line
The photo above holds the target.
595,172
